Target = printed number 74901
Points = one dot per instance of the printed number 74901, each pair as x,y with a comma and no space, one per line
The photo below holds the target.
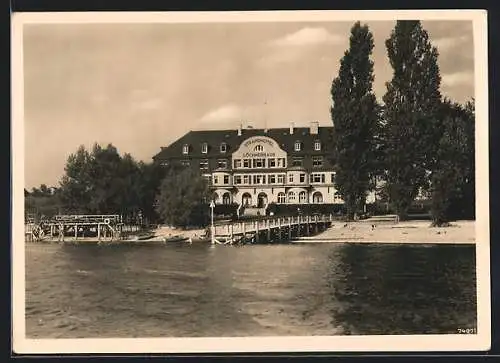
466,331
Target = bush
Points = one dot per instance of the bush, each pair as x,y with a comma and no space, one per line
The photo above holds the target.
225,211
378,208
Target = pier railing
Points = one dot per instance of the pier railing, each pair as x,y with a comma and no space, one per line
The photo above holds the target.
88,218
282,227
103,226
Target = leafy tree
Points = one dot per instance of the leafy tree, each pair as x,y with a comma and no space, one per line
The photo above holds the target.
151,177
42,201
452,180
466,203
76,183
412,128
355,115
101,181
43,191
183,197
105,183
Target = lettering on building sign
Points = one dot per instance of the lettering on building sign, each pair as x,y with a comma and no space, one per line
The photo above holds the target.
253,141
258,155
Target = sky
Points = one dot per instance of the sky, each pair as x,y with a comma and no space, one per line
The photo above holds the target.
142,86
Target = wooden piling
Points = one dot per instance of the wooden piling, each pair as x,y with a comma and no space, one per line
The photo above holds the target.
268,230
257,231
244,232
279,229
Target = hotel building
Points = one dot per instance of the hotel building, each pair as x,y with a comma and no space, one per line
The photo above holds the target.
255,167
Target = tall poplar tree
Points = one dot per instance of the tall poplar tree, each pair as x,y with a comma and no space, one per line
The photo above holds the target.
355,116
412,102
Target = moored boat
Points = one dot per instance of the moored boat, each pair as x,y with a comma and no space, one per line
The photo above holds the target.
197,239
178,238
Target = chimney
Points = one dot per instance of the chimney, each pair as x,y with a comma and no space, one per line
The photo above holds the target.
313,129
240,126
291,128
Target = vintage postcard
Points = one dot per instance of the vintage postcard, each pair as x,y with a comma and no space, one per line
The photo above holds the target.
278,181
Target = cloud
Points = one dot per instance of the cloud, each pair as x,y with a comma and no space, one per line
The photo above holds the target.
297,45
458,78
223,114
279,57
143,100
447,43
308,36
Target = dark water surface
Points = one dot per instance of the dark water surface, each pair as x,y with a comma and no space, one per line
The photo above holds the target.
296,289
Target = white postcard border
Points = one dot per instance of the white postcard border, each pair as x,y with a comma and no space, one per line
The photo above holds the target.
389,343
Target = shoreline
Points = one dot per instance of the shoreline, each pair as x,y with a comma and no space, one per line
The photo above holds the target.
366,231
410,232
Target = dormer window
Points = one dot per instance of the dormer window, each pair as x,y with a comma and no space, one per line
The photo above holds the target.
204,148
185,149
317,145
223,147
298,146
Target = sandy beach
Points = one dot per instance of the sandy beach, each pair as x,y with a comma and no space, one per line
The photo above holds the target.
460,232
164,231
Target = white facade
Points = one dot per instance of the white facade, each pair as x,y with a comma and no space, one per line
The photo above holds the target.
260,175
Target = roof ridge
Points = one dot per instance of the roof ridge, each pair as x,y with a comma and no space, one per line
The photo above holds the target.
258,129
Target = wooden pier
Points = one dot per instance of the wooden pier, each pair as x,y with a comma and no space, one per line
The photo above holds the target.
269,230
104,228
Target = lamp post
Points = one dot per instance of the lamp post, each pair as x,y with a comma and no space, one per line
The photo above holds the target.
212,229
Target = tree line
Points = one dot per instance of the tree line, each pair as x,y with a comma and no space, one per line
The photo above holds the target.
101,181
415,142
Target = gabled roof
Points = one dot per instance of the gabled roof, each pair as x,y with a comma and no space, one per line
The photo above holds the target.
214,138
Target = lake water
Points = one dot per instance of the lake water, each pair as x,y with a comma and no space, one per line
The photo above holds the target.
257,290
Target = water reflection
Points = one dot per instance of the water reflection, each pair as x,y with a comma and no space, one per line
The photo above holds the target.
194,290
403,289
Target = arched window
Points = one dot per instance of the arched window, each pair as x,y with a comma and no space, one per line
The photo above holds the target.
302,197
223,147
281,197
317,197
246,199
259,148
185,149
298,146
204,148
261,200
226,198
291,197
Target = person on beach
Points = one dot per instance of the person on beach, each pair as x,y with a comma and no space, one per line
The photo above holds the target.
61,233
